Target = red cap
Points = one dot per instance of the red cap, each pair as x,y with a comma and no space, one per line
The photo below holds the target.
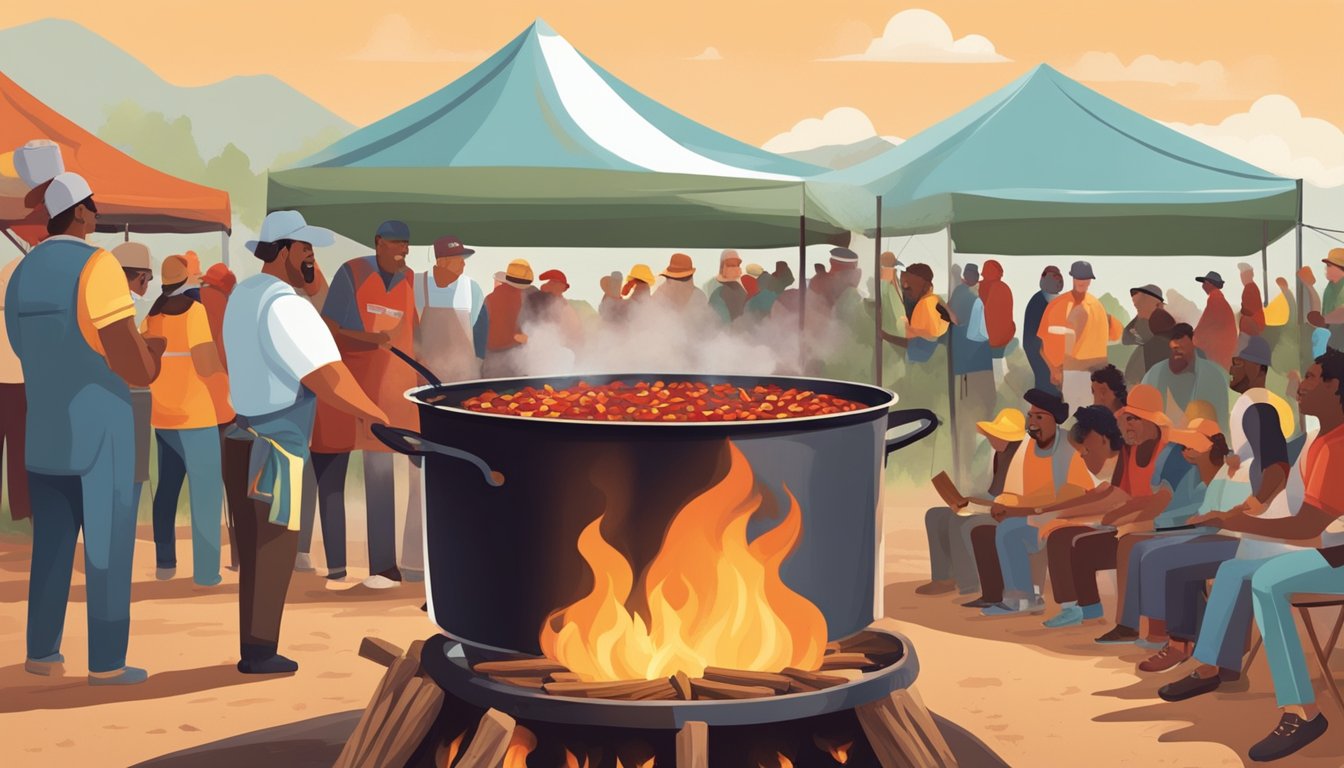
220,276
554,274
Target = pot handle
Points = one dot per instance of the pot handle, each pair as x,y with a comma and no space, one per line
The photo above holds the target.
415,444
424,372
903,438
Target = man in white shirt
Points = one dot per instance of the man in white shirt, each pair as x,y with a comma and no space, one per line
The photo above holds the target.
282,358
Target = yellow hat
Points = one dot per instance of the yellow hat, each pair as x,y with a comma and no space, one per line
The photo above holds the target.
175,270
519,271
1335,258
1145,402
1010,426
1199,410
642,273
1198,435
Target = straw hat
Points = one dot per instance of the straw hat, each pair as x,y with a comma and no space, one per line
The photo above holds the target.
519,272
1335,258
1009,426
132,256
1145,402
1198,436
679,266
642,273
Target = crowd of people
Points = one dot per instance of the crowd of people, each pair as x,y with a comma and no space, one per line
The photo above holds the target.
1213,498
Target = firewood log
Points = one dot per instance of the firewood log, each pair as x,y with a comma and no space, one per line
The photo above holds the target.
847,661
391,725
806,682
682,683
629,690
389,686
564,677
424,710
534,683
379,651
711,689
902,733
776,682
519,668
693,745
491,741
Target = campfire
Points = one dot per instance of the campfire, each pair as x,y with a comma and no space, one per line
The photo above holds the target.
679,644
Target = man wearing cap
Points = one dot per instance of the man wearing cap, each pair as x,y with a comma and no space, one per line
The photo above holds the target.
71,322
454,323
1328,310
504,305
972,359
1147,331
951,558
728,296
999,323
548,307
1044,472
370,308
1216,331
677,291
612,307
638,285
1033,341
1187,379
12,410
929,319
282,360
1084,328
750,280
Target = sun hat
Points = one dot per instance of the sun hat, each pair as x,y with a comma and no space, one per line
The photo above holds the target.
519,272
1145,402
1198,435
133,256
1010,426
679,266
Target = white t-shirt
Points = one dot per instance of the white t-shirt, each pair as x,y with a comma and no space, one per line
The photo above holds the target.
270,354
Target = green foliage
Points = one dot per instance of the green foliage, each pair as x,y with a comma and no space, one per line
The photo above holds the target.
1115,308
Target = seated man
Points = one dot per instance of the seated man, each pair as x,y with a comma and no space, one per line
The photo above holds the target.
1045,471
1186,378
952,563
1321,394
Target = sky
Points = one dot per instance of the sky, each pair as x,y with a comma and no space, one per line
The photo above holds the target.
753,68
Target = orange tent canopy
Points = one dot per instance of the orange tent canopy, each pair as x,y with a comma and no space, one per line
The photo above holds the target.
129,194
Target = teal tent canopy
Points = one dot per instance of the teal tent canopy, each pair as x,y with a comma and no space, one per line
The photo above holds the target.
1048,166
539,146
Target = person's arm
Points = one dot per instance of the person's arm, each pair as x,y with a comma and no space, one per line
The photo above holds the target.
133,357
201,343
1141,509
106,302
341,313
1310,522
1308,280
335,385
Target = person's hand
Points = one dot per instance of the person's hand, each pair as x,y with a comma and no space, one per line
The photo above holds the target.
1316,319
1233,462
521,338
998,512
1307,276
1282,282
383,339
1056,377
1208,520
156,345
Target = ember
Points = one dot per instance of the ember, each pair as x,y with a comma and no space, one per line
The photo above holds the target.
685,401
714,599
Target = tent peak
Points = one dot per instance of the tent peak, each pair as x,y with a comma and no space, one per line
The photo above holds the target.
540,27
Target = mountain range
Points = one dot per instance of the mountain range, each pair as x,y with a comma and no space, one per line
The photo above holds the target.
228,111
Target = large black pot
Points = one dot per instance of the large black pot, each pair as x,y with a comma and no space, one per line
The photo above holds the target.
507,496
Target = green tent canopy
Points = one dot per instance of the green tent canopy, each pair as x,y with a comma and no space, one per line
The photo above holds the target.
1048,166
538,146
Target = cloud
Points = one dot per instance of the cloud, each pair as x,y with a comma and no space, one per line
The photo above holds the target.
395,39
840,126
709,54
918,35
1101,67
1274,135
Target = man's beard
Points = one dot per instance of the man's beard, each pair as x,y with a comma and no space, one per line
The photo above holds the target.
309,271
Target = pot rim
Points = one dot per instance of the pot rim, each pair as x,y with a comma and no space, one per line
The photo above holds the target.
518,381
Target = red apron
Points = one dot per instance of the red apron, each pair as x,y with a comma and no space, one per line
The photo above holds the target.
383,377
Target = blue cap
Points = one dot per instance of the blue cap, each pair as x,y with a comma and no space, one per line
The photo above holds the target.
394,230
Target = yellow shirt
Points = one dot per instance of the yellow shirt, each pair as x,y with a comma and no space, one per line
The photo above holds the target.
182,399
104,297
925,322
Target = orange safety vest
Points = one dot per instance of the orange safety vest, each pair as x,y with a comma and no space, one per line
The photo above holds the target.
383,377
1090,345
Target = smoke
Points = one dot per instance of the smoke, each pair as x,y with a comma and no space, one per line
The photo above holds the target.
654,337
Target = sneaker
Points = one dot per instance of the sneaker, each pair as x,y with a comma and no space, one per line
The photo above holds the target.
303,563
1120,635
1189,687
123,676
1035,606
1004,609
164,574
379,581
979,602
47,666
272,665
1067,617
412,575
1292,734
1149,645
1167,658
936,588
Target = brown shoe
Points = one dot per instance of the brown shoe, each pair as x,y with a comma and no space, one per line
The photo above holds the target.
1165,659
936,588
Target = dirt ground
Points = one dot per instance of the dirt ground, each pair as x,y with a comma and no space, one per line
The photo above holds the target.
1038,697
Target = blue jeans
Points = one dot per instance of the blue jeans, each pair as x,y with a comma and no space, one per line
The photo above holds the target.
1017,540
1227,619
99,504
191,454
1146,580
1271,589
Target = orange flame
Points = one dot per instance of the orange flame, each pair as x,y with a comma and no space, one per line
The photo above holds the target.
646,764
454,747
838,751
572,760
523,743
781,761
714,599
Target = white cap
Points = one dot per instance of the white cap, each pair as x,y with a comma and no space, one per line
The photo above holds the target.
38,161
290,225
66,190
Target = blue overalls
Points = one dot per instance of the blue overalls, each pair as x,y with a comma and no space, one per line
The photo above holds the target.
81,457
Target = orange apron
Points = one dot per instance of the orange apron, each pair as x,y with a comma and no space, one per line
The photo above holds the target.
383,377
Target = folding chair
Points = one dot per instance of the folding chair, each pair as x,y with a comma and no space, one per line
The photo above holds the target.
1304,603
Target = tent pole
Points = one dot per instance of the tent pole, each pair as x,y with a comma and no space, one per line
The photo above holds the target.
1264,259
224,247
10,236
951,377
802,285
127,238
877,297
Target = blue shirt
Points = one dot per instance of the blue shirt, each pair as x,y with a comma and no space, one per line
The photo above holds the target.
1183,481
